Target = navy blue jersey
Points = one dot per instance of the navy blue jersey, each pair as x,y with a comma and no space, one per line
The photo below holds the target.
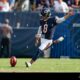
48,27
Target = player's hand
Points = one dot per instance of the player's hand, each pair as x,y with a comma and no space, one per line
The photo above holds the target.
38,36
37,39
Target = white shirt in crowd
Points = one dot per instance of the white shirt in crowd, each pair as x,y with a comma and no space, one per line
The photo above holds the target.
4,7
25,5
61,7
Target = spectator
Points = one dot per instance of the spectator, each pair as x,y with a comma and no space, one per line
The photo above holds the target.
22,5
39,4
51,3
25,5
72,2
42,3
4,6
11,4
77,4
61,7
6,31
33,4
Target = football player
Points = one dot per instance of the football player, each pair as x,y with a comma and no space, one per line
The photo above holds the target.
45,32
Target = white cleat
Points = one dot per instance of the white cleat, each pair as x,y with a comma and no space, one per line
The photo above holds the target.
28,64
61,39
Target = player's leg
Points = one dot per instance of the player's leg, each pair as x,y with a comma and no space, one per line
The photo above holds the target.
60,39
34,58
47,43
47,49
42,47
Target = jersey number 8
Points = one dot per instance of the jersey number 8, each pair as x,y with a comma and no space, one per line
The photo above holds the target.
45,28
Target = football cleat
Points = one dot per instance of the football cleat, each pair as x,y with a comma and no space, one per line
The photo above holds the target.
27,64
61,39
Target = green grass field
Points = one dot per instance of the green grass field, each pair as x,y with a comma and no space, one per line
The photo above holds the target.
41,65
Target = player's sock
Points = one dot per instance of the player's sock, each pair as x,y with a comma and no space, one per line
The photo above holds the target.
61,39
28,64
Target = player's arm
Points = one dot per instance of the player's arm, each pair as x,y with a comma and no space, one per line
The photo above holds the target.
39,32
60,20
38,36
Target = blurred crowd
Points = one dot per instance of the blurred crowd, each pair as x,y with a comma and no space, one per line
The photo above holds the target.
14,5
35,5
57,5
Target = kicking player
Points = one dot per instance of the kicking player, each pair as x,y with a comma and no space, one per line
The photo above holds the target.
45,32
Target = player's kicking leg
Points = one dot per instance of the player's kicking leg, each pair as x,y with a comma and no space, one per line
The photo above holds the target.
60,39
45,45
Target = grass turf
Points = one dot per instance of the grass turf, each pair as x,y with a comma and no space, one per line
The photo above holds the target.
41,65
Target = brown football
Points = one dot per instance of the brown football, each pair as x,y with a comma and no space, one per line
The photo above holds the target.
13,61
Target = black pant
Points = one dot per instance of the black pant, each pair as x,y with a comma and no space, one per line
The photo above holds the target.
5,47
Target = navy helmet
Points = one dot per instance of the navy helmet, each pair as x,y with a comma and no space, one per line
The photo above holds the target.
45,12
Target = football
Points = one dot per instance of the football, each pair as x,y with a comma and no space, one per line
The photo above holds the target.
13,61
